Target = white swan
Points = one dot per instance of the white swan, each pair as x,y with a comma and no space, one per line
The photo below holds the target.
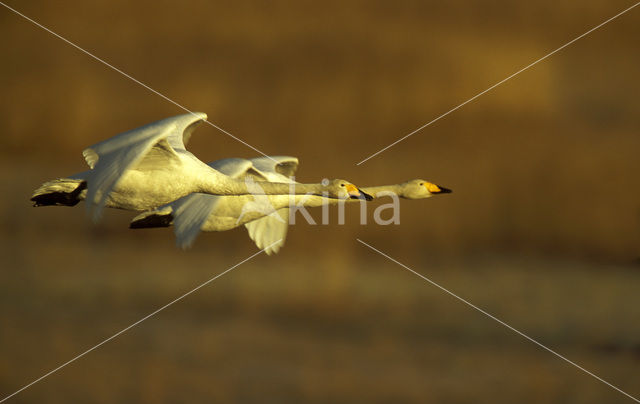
199,211
267,225
149,166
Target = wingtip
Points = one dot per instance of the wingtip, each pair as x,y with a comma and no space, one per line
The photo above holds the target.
96,216
184,243
94,211
200,115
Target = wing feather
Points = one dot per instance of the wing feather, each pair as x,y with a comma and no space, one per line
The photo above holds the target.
111,158
233,167
283,165
270,232
189,215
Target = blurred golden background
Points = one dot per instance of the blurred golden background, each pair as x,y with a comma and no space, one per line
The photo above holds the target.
542,230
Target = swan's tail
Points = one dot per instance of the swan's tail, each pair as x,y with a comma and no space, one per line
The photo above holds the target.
60,192
152,218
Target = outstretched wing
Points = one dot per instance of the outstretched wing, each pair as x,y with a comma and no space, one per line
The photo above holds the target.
154,144
270,231
282,165
189,215
233,167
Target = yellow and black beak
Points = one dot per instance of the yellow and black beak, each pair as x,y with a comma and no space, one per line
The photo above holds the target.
355,193
436,189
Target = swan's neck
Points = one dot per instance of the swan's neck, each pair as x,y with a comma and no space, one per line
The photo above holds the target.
308,200
276,188
312,200
240,187
381,190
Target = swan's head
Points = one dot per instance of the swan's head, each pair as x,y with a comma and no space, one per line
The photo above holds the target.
420,189
342,189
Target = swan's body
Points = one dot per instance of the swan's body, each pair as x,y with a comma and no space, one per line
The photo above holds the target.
268,218
148,167
201,212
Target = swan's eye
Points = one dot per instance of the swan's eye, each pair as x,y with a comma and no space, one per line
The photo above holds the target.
342,185
422,184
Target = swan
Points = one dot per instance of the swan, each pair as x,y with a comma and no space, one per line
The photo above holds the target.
255,211
149,166
267,226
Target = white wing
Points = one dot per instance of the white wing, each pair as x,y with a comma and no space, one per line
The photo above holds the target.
271,168
233,167
270,231
150,145
281,165
189,215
